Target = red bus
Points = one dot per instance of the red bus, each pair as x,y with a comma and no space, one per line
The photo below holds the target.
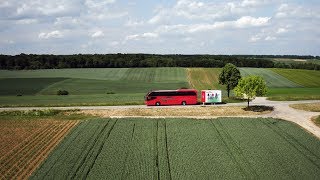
171,97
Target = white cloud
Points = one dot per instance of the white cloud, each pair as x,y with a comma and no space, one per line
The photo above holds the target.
98,3
282,30
251,21
148,35
132,23
270,38
49,35
27,21
97,34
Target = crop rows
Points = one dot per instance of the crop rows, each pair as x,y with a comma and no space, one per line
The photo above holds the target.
23,159
184,148
272,79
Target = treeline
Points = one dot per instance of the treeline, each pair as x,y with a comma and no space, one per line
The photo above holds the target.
32,61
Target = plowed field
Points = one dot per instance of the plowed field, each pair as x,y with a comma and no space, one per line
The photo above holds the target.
25,144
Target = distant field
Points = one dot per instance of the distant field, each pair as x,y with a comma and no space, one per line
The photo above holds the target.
119,86
293,94
204,78
226,148
109,86
272,79
306,78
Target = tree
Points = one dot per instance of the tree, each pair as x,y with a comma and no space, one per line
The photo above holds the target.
229,76
250,87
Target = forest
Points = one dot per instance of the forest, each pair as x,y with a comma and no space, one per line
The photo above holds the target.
35,61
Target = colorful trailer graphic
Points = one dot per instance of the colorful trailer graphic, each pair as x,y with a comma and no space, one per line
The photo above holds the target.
211,96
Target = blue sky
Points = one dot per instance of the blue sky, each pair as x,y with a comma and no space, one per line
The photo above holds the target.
160,27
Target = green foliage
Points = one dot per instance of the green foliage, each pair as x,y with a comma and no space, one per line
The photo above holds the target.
273,79
306,78
229,76
62,92
250,87
224,148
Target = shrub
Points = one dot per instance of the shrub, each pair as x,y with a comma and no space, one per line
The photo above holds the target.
62,92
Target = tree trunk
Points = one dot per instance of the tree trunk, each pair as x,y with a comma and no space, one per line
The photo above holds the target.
248,101
228,89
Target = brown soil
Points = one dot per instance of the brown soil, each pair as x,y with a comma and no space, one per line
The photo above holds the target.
169,112
30,143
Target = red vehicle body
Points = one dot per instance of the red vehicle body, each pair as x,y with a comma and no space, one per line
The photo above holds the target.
171,97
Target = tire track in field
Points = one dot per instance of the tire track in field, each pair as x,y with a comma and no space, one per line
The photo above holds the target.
235,151
100,149
124,175
81,169
64,151
157,150
295,144
167,150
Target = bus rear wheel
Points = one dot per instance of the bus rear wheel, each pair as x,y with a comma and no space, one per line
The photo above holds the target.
158,104
183,103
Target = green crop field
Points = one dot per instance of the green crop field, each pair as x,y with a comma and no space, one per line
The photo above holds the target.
108,86
306,78
225,148
272,79
119,86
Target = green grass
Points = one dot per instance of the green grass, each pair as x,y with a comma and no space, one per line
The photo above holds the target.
293,94
85,73
306,78
226,148
73,100
108,86
272,79
316,120
25,86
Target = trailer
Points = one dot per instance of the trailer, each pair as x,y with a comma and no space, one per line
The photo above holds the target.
211,96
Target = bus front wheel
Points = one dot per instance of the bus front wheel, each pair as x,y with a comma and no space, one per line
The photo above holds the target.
157,103
184,103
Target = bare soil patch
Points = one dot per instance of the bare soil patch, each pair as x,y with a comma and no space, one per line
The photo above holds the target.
313,107
187,111
26,143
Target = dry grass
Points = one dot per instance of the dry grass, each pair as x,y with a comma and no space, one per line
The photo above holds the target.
316,120
313,107
177,112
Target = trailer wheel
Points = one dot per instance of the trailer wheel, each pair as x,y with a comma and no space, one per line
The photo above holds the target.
183,103
158,104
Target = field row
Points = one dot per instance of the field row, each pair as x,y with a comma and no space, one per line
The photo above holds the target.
19,161
184,148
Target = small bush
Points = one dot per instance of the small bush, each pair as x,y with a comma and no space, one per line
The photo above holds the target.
259,108
62,92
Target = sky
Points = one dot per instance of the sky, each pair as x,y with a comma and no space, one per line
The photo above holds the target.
229,27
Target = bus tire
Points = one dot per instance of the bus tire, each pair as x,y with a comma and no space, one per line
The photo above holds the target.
158,104
183,103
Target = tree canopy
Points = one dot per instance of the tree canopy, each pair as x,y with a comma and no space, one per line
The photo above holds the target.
251,87
45,61
229,76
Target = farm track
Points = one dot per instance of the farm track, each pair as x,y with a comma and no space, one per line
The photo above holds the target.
27,156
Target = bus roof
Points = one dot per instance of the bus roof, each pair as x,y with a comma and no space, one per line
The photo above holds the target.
173,90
